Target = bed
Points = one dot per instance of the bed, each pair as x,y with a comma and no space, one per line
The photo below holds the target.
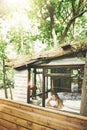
71,101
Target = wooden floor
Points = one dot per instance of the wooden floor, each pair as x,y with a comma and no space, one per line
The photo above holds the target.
18,116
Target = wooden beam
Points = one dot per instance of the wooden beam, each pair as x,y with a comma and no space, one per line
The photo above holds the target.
43,89
28,88
61,66
58,75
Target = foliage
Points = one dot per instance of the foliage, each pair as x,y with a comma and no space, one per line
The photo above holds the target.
19,39
5,78
62,20
68,19
49,22
2,49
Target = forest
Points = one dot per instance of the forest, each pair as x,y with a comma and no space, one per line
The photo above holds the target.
30,26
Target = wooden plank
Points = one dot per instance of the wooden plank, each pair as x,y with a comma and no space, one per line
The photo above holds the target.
10,125
3,128
20,86
40,110
19,121
43,116
58,75
30,116
52,123
60,66
13,126
33,126
43,111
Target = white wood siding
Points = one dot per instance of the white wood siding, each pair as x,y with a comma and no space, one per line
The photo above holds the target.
20,86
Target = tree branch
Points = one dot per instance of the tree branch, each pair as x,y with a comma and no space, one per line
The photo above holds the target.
69,24
79,15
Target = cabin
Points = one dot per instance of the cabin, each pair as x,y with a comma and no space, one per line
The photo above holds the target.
60,70
38,75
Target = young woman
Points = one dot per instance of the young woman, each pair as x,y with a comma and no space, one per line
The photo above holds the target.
54,101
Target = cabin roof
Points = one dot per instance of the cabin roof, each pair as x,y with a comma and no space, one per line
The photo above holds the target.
67,61
47,56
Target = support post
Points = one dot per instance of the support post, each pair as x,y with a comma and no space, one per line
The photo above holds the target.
28,87
43,89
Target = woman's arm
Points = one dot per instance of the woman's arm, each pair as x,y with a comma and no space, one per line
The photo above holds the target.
48,101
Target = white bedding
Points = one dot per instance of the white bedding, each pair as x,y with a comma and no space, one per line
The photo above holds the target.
71,101
71,105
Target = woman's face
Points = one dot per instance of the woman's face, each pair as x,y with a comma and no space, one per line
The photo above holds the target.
53,97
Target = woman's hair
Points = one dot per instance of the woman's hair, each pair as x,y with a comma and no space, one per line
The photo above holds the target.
60,101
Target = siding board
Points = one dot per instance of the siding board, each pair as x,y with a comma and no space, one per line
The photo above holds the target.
20,86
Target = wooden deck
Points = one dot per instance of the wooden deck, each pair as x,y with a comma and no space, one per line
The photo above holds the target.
18,116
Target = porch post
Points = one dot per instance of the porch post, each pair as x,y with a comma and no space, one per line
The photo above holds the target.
34,76
43,89
28,87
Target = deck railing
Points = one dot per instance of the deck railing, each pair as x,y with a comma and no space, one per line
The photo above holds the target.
18,116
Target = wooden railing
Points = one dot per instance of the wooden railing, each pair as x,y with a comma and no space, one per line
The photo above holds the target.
18,116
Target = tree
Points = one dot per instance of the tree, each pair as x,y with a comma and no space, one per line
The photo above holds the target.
4,73
78,9
56,22
60,20
2,59
83,110
19,39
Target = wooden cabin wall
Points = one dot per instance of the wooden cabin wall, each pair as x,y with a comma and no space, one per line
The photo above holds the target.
19,116
20,85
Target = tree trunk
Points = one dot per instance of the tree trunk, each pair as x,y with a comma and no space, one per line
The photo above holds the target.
10,91
51,9
66,31
4,84
54,37
83,109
